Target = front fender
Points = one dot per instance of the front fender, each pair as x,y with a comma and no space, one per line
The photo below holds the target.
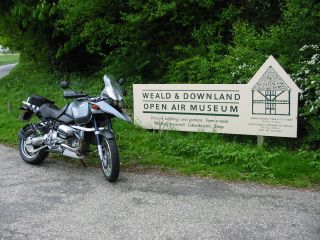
107,134
92,139
105,107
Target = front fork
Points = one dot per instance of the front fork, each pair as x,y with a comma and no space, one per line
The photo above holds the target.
97,133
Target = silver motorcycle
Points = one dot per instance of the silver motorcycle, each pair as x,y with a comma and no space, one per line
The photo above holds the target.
72,129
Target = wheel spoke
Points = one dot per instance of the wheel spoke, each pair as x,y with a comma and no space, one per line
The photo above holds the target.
110,163
27,150
107,162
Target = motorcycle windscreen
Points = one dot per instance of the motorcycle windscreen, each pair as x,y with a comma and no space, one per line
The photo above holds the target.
112,89
81,111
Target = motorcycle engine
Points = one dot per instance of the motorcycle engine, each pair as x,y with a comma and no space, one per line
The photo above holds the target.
70,137
64,138
65,132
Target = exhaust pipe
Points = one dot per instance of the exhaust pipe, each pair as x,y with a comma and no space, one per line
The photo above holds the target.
40,148
69,148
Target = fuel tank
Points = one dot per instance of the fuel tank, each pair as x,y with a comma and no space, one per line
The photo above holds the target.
80,111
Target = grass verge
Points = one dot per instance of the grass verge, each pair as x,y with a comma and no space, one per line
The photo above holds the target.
9,58
202,154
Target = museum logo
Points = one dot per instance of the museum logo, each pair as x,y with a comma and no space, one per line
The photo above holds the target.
271,95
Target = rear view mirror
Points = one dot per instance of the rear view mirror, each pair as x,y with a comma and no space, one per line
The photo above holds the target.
64,84
121,81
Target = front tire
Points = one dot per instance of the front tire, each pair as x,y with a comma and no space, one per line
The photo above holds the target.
111,163
24,150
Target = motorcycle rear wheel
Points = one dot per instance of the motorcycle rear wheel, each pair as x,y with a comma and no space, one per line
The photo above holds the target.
26,154
111,163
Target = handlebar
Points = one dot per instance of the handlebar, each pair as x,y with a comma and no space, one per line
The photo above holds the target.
95,99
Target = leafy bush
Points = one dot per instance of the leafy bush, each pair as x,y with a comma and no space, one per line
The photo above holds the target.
214,151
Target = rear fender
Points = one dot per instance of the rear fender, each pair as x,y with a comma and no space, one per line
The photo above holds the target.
22,133
105,107
25,114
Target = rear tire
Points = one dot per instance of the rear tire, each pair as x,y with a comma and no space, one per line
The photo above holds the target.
111,163
26,155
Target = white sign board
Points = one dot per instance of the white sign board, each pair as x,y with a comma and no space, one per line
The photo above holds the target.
266,106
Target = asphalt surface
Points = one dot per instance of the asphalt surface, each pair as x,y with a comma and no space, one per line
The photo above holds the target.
5,69
59,200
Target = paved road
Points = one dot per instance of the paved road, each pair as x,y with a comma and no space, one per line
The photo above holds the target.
5,69
59,200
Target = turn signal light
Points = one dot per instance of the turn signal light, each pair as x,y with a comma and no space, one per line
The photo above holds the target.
95,107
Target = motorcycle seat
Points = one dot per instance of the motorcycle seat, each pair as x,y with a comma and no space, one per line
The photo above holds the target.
38,100
48,110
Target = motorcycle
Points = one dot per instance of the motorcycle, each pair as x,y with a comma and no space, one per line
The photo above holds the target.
72,129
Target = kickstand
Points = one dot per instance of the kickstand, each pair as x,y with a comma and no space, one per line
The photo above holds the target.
83,163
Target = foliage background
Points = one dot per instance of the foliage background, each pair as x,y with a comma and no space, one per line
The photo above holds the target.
179,41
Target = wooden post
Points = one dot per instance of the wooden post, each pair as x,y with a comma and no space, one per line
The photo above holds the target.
9,107
260,140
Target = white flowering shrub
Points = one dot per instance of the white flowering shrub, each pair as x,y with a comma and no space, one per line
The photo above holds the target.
4,49
307,78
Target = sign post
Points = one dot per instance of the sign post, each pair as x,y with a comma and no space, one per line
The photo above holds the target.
260,141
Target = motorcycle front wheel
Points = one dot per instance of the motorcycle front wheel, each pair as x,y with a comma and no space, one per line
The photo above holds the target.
110,163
